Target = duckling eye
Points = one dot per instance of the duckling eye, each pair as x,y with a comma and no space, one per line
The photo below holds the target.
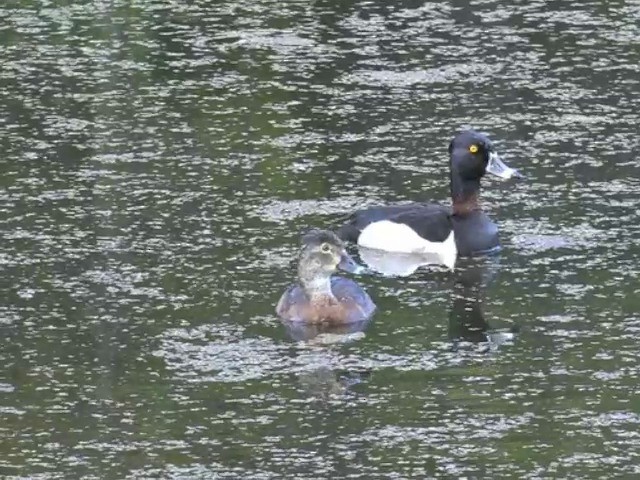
326,248
473,149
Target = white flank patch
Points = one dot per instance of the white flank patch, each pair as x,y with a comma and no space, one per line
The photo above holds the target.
398,237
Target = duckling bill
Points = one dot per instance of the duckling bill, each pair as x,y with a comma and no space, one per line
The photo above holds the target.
320,297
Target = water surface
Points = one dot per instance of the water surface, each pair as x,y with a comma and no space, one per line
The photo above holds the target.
159,162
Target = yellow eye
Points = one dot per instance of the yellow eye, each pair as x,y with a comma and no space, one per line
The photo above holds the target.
473,149
326,248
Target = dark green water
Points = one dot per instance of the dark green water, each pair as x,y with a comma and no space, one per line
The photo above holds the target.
158,162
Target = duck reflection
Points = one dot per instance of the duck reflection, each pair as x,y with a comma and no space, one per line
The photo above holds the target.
471,277
467,322
325,378
392,264
326,383
325,333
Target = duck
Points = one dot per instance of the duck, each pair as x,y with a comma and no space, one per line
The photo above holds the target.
319,296
426,228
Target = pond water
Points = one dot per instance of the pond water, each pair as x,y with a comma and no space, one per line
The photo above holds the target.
159,162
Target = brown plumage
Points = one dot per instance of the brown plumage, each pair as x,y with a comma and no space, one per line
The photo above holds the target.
318,297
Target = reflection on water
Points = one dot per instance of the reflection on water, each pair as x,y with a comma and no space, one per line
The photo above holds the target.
326,333
470,278
396,264
467,322
159,162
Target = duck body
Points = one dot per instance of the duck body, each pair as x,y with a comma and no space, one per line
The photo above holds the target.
448,231
348,303
319,296
422,228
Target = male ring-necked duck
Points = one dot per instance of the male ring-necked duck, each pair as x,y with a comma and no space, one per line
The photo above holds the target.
319,297
462,229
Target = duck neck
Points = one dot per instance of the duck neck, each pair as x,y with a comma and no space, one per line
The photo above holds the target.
465,194
315,284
